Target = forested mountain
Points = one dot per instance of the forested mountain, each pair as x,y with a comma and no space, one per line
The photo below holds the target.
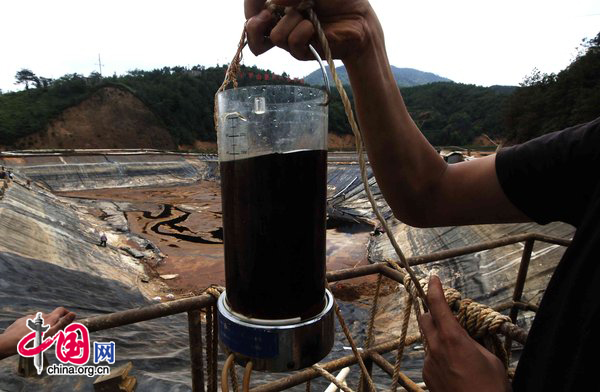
455,114
552,102
405,77
448,113
181,97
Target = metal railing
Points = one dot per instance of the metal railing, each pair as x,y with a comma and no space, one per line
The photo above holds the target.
207,302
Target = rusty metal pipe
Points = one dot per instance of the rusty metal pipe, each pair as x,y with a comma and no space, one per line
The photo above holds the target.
387,367
195,333
519,286
349,273
331,366
464,250
519,305
131,316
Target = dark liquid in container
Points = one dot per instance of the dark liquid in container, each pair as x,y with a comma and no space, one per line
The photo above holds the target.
274,233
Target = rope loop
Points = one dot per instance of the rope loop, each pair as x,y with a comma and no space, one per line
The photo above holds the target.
215,291
479,319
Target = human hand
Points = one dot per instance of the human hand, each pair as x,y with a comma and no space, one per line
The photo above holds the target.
454,361
57,319
350,26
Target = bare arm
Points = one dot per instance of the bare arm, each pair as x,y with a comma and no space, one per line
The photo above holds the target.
419,186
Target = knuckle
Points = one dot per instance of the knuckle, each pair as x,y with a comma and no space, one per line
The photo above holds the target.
452,334
297,43
434,351
278,38
254,48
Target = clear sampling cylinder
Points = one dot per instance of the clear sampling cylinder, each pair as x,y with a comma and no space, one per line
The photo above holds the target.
273,165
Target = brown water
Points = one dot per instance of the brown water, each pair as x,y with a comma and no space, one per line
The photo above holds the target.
274,231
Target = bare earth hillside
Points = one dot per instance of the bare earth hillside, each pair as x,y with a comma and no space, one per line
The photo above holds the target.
110,118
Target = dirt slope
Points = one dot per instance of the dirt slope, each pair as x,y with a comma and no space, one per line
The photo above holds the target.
110,118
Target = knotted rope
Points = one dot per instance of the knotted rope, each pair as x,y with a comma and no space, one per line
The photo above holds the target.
215,291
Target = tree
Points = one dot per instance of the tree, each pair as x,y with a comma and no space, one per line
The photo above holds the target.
25,76
46,82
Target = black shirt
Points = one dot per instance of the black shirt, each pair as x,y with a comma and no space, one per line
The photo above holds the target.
556,177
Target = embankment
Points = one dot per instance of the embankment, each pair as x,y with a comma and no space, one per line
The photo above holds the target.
96,169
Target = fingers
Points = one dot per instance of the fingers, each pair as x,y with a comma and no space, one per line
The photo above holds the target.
428,328
293,33
58,319
61,323
299,40
279,34
438,307
55,315
258,29
287,3
253,7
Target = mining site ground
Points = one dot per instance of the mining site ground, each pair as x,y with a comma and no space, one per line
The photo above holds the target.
184,222
161,214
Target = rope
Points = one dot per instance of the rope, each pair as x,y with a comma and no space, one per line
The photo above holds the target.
479,320
210,370
231,74
228,364
215,291
231,78
212,344
233,376
360,150
361,363
408,303
330,378
246,379
371,327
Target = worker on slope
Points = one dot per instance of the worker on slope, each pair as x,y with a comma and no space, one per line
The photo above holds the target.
542,180
103,240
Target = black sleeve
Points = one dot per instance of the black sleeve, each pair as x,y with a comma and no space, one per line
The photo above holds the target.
552,178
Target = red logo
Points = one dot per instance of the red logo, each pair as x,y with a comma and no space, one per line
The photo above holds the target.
72,344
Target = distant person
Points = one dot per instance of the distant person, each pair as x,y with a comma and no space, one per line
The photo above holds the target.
58,319
10,175
551,178
103,240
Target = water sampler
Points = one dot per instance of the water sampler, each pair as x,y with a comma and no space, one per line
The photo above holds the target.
276,310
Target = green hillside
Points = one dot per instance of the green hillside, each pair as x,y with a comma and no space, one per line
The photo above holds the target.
547,103
181,97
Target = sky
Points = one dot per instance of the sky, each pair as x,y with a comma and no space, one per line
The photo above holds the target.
468,41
